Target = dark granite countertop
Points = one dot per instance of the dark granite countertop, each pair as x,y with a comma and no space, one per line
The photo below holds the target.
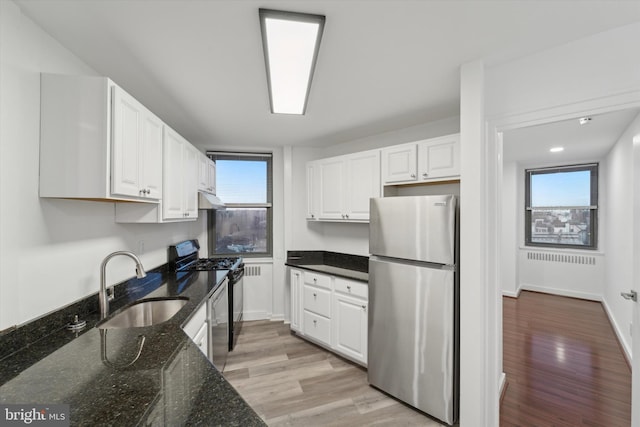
354,267
171,383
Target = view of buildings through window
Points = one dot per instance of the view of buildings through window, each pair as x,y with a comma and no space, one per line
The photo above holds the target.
561,206
243,183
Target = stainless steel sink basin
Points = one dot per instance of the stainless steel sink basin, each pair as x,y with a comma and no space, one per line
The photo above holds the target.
146,312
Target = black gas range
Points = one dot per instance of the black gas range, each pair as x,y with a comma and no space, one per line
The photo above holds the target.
184,257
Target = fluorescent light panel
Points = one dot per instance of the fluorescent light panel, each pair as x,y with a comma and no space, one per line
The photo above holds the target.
290,41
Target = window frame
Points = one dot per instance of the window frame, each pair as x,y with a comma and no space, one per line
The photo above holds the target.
593,207
268,205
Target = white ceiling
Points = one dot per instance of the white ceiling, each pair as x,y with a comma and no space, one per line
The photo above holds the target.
383,65
589,142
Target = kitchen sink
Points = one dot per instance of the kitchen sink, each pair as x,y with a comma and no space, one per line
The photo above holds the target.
146,312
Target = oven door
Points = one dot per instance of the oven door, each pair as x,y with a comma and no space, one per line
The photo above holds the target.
236,310
219,326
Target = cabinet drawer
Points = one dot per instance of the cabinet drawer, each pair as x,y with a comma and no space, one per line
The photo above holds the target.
348,287
317,300
317,327
317,279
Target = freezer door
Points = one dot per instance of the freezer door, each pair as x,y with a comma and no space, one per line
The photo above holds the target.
421,228
412,336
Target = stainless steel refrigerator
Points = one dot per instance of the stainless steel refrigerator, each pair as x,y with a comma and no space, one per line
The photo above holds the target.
413,302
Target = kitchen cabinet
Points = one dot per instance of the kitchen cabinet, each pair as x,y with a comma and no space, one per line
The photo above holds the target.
350,319
196,328
97,142
313,196
295,277
439,158
180,198
179,186
429,160
399,164
330,311
206,174
345,184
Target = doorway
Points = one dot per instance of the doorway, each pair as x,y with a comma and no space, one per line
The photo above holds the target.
523,145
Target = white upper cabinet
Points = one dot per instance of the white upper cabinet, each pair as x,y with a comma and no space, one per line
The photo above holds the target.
345,185
439,158
206,174
313,195
136,148
97,142
399,164
180,198
430,160
363,182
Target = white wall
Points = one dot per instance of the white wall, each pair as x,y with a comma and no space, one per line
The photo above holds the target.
510,223
619,224
51,250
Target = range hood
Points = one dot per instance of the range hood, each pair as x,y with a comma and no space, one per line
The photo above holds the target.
209,201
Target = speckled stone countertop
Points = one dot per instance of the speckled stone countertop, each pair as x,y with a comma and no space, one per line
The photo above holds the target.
171,383
354,267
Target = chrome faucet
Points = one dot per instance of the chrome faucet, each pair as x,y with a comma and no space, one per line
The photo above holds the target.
102,295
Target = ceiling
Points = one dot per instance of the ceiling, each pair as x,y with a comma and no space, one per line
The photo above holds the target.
383,65
589,142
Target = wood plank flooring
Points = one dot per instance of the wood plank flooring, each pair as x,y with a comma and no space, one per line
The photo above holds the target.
563,363
291,382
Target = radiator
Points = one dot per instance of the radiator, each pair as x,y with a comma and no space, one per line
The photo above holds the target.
561,258
252,270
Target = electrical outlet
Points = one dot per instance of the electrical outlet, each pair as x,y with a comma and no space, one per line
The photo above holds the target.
140,247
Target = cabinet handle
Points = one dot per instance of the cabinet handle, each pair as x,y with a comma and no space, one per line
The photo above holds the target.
314,322
315,280
424,175
413,175
364,308
349,288
315,295
347,216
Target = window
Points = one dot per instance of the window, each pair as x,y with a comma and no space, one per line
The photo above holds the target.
562,206
243,183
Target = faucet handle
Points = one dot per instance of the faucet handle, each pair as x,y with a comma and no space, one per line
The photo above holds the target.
110,294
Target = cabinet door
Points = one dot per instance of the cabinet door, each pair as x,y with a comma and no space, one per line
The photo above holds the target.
190,181
439,158
173,185
211,167
313,201
363,182
203,172
126,144
331,177
399,164
296,300
151,179
350,326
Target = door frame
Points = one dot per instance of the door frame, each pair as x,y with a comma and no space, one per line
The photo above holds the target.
495,127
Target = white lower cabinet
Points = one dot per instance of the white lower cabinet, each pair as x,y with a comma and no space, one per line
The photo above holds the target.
350,326
330,311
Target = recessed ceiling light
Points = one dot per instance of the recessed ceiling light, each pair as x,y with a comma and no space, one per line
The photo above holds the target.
584,120
556,149
290,42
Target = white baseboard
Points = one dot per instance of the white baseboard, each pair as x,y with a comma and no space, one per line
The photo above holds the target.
561,292
616,328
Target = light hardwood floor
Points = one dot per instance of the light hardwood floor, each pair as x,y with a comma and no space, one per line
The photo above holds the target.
291,382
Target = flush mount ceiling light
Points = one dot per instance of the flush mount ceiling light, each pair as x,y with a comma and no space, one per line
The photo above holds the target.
556,149
290,42
584,120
